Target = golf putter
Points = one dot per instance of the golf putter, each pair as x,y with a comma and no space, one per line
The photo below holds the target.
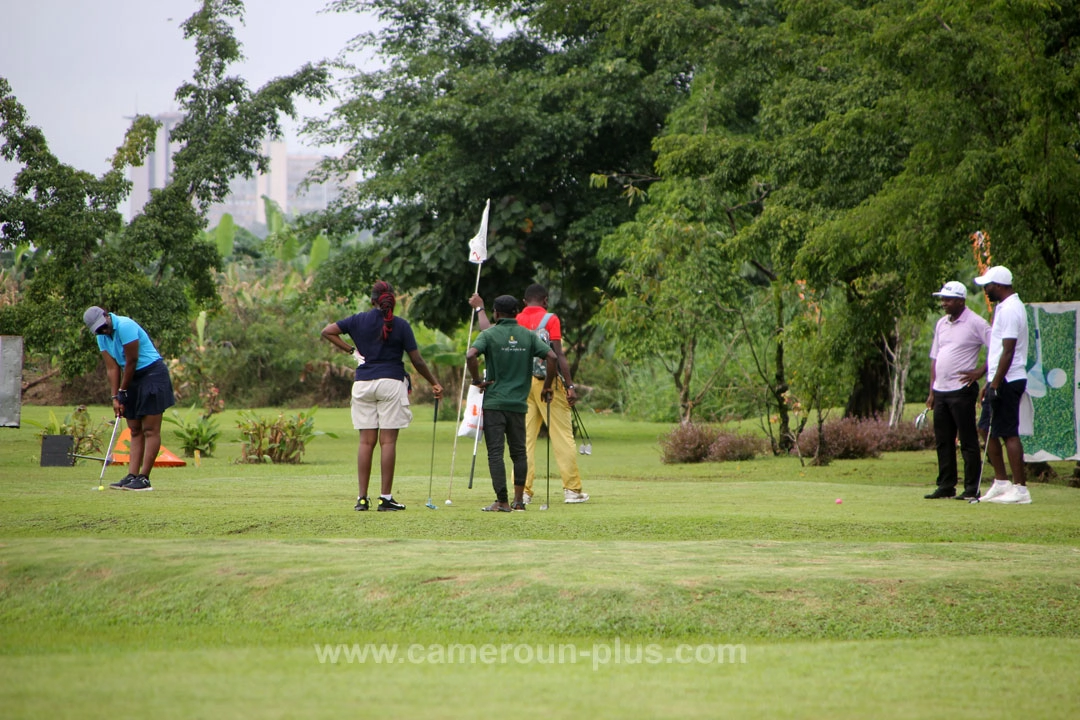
476,442
985,459
108,454
547,483
431,474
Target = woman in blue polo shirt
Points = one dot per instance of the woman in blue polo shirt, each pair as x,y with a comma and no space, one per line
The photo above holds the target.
380,397
141,388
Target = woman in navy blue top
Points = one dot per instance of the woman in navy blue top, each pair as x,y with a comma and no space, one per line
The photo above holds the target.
380,394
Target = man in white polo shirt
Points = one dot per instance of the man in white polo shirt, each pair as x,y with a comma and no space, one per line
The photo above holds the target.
954,391
1007,369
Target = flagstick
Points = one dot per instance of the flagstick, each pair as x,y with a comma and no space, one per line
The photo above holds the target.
461,392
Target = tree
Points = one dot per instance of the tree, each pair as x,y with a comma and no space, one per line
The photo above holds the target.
460,114
672,293
859,144
160,266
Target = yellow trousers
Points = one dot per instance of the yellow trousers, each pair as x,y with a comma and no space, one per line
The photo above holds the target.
561,433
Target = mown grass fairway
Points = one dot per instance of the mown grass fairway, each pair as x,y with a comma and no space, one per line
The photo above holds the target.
676,592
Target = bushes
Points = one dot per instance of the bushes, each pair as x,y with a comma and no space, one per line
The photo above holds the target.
690,443
278,441
201,435
845,439
729,446
88,437
851,438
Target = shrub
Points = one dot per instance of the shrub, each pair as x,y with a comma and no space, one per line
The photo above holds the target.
688,443
906,437
278,441
200,435
845,439
851,438
729,446
88,437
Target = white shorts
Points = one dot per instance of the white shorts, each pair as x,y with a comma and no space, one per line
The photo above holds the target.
380,404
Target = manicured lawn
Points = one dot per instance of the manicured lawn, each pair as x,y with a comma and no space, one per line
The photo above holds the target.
677,591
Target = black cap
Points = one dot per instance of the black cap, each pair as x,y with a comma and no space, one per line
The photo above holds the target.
506,305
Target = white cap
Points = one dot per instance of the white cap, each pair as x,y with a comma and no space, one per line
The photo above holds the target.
952,289
999,274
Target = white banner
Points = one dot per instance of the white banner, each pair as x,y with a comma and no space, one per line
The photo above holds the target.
473,422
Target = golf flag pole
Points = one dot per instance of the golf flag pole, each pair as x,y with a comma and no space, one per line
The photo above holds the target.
477,254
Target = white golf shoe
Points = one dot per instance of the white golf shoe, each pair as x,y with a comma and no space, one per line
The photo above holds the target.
571,496
999,488
526,498
1016,495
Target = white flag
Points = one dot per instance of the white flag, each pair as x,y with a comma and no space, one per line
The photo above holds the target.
478,245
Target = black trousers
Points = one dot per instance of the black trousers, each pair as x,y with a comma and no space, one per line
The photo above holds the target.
501,428
954,416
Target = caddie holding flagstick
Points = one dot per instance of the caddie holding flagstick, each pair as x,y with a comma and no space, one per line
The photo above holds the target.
536,317
508,351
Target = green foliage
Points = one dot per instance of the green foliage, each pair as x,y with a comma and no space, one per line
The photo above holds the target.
820,373
159,267
459,113
225,235
201,434
88,437
673,297
277,441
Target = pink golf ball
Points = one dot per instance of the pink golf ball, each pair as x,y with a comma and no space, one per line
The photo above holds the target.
839,501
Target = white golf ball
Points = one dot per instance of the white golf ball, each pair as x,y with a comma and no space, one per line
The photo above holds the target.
448,501
1056,378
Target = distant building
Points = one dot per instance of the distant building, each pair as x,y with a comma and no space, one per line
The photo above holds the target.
245,202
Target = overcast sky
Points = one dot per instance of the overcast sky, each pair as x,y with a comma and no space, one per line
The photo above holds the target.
81,68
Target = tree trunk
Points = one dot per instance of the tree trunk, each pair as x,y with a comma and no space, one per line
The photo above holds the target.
683,377
780,387
871,392
899,363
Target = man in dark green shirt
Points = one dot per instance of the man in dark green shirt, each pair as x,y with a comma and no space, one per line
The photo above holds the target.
508,351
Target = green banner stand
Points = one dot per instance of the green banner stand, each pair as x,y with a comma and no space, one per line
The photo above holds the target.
1050,409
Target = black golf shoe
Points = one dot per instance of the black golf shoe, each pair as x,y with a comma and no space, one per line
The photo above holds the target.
123,483
391,504
941,493
141,483
362,503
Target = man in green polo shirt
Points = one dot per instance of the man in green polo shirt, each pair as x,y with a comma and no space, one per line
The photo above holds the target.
508,350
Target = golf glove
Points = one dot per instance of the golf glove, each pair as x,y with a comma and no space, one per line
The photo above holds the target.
359,358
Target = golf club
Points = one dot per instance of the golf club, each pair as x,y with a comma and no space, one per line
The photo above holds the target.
431,474
985,459
476,441
920,420
108,454
586,447
547,500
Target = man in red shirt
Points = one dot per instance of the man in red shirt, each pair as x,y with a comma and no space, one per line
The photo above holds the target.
561,431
